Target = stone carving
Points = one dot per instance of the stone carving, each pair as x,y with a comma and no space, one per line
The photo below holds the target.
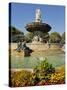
21,46
38,15
37,39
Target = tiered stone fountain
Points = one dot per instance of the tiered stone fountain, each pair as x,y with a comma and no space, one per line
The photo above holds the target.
38,27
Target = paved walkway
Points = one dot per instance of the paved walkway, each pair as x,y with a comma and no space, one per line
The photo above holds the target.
15,70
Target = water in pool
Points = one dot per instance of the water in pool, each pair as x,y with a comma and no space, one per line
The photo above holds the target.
19,62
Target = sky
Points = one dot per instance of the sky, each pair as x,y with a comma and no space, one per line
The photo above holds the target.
22,14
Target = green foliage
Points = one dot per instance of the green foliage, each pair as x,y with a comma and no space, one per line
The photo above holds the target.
15,34
17,38
63,38
44,70
55,37
14,31
29,36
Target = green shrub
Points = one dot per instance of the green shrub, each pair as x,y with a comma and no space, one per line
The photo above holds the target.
44,70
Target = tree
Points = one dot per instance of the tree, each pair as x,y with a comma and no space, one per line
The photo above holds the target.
29,36
14,31
55,37
63,38
17,38
15,35
45,37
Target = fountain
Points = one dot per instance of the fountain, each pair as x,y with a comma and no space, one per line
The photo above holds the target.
38,27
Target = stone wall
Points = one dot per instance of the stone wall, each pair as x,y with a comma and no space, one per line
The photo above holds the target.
39,47
13,46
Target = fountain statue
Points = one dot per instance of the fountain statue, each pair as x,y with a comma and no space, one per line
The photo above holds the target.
38,15
21,46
